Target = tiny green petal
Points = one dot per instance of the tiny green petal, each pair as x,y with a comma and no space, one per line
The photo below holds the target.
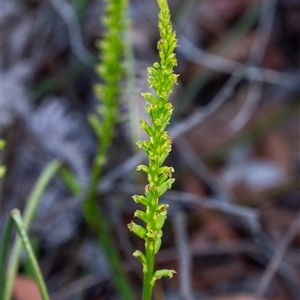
158,122
141,215
163,273
160,220
140,256
143,168
162,178
165,186
151,192
149,96
167,170
137,229
145,126
140,199
151,234
157,245
145,145
156,65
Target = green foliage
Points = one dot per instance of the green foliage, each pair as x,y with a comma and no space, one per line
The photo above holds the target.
19,224
16,219
161,78
2,168
29,212
110,70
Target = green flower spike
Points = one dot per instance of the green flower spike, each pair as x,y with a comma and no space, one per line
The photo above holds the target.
161,79
111,72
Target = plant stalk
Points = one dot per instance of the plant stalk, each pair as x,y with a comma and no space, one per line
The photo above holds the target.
29,212
18,221
98,222
4,251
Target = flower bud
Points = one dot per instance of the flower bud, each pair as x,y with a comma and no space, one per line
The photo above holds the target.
140,256
160,220
163,273
143,168
140,199
149,96
146,127
141,215
157,245
165,186
137,230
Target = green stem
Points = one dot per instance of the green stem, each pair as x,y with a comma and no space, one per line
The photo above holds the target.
98,222
20,225
97,170
148,270
4,251
70,181
29,213
111,71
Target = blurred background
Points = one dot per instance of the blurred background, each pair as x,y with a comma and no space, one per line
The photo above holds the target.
233,228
